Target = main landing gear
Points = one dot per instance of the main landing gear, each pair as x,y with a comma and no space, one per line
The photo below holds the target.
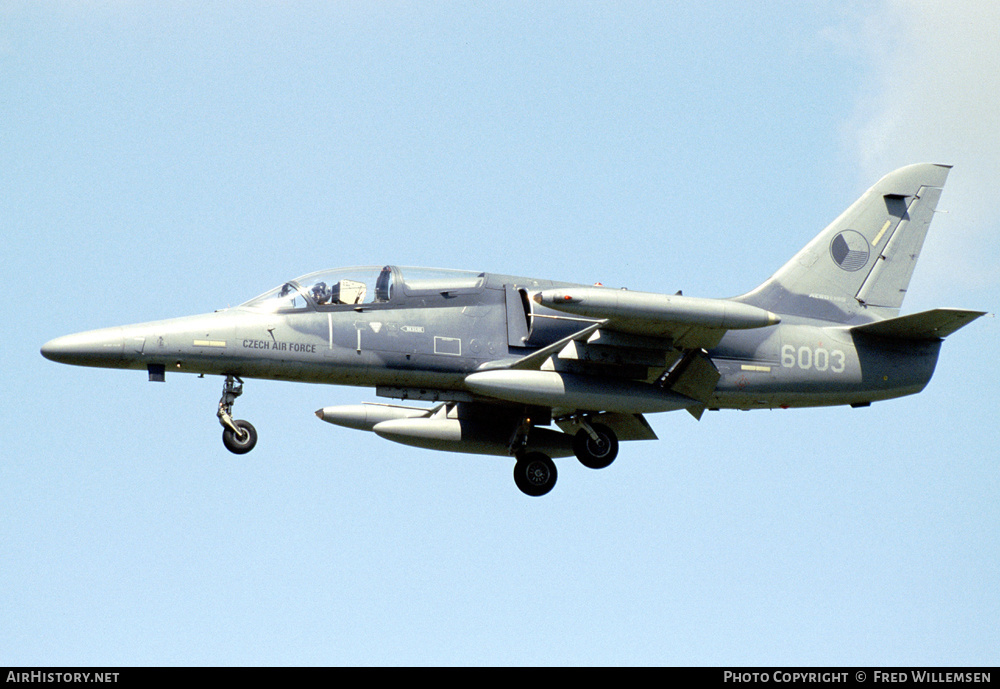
238,436
534,473
594,444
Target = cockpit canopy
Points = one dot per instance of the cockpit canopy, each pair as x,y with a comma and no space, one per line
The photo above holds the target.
364,285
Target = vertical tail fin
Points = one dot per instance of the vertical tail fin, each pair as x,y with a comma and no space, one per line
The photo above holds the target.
858,268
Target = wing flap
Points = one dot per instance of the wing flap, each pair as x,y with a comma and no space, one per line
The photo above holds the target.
625,426
694,376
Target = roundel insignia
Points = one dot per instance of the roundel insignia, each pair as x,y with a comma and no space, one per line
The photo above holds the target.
849,250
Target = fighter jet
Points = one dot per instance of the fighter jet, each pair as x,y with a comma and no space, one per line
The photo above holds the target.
534,369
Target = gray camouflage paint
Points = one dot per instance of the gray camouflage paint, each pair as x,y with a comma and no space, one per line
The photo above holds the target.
422,343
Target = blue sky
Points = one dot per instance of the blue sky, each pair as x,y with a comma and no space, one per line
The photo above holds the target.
164,159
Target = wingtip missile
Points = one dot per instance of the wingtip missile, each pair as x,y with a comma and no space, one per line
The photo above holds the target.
640,307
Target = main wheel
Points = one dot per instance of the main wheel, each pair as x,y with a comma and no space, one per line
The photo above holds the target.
599,453
243,443
535,474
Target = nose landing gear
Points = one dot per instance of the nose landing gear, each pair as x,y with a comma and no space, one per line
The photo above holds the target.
238,436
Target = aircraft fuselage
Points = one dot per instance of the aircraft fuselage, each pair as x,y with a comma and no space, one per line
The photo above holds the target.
424,345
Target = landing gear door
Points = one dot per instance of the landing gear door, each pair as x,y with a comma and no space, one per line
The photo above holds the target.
518,316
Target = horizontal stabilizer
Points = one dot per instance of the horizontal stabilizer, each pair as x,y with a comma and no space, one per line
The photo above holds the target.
926,325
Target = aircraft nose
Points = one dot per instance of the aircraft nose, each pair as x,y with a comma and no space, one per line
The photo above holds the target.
91,348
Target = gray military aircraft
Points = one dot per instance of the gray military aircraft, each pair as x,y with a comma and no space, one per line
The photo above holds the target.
505,358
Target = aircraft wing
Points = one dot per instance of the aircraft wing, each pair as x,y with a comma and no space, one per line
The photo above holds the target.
644,352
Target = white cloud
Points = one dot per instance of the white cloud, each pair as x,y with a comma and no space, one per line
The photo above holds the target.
934,96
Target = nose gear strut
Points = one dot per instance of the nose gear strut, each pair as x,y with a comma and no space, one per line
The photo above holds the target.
238,436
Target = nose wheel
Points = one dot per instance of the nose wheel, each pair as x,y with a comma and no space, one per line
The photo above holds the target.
238,436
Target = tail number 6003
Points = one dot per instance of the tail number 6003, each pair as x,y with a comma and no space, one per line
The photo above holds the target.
816,358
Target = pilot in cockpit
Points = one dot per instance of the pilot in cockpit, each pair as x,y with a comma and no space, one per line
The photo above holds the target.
320,293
